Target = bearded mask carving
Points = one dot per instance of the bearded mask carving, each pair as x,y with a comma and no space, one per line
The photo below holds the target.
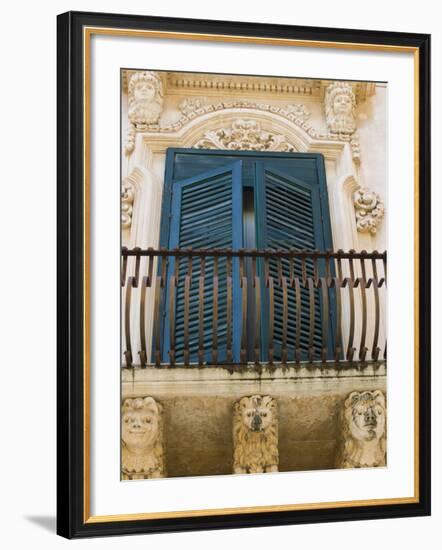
340,105
145,98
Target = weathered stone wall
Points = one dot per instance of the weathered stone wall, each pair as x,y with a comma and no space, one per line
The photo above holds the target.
198,411
198,433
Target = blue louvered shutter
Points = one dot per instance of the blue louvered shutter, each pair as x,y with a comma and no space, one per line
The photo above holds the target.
206,212
290,216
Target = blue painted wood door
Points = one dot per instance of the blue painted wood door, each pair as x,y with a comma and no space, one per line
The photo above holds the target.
202,208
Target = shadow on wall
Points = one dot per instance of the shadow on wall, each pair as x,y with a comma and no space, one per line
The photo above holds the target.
198,433
48,523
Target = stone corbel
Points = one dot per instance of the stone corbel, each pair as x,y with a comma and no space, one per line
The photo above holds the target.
142,443
362,438
255,435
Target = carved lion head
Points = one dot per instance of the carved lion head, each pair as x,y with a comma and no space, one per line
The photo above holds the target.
141,423
365,415
257,413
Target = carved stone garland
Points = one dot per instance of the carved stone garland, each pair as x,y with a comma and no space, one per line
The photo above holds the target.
369,210
299,110
190,104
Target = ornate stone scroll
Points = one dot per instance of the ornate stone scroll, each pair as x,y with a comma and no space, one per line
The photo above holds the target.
127,199
299,110
255,435
142,442
340,105
362,431
190,105
297,114
244,135
369,210
145,104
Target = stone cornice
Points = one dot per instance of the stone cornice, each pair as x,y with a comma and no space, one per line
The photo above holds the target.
212,84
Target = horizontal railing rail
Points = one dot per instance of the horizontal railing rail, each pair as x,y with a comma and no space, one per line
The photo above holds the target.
223,306
244,252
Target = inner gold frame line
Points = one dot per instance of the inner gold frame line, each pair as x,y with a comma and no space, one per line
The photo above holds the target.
88,32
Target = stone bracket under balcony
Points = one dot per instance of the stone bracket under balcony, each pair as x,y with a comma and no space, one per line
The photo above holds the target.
198,407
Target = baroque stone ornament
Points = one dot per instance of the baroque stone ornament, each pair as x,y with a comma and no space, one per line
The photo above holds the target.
292,114
127,199
363,431
145,97
299,110
194,110
340,105
355,148
142,455
369,210
190,104
244,135
255,435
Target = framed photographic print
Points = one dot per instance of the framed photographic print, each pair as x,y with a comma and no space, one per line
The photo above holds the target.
228,196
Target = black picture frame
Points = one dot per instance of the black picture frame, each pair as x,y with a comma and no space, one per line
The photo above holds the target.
72,392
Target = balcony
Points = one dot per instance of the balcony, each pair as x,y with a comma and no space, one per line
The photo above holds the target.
212,307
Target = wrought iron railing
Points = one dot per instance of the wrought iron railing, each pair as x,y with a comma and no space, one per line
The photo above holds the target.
213,306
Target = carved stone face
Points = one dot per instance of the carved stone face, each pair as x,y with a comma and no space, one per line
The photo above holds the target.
342,104
139,423
257,412
366,416
144,91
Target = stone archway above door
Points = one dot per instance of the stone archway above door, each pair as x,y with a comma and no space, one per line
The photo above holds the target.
243,128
